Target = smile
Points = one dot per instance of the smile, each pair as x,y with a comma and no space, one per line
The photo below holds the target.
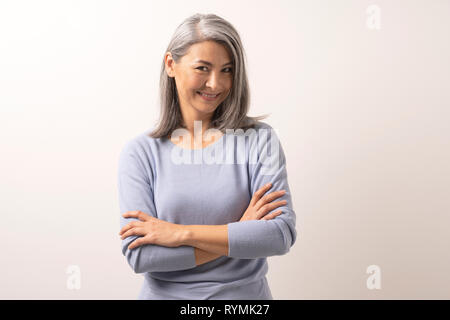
208,97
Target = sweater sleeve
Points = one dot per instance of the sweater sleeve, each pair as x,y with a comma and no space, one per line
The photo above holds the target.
135,187
262,238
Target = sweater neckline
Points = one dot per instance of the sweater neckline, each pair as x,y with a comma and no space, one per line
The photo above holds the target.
199,149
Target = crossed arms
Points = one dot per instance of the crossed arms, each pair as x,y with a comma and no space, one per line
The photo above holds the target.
192,245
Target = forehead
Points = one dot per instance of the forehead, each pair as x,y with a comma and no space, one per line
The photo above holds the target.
209,51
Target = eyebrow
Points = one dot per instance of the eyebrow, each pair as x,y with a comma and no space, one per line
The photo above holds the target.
210,64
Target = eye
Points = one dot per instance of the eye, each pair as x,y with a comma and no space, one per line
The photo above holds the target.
229,69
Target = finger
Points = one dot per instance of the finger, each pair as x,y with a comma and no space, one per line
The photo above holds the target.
136,243
276,204
269,198
130,214
136,214
276,194
131,225
126,227
133,232
272,215
269,207
258,194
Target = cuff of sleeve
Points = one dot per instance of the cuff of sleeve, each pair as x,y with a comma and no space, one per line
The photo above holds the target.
244,239
174,259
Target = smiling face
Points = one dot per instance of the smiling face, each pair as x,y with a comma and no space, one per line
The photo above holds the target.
206,68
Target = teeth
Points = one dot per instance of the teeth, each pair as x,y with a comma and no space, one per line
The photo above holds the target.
208,95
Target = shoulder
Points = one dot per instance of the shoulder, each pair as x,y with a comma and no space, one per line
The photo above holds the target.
138,156
258,125
262,125
263,132
139,145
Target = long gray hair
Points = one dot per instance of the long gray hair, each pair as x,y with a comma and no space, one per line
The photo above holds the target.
232,112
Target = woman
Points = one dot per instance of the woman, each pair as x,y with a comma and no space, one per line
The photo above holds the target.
204,230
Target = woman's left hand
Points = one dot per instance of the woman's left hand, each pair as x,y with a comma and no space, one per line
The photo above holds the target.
151,231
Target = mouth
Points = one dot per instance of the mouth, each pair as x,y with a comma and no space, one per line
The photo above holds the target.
208,97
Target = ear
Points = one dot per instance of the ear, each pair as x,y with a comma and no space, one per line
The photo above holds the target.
169,63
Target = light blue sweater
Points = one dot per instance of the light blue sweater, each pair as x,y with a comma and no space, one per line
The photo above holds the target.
152,178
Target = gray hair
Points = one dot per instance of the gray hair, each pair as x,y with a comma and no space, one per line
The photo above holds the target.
232,112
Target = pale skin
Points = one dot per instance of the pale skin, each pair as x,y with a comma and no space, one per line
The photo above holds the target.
209,241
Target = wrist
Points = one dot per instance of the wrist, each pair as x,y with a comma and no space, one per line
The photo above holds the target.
185,235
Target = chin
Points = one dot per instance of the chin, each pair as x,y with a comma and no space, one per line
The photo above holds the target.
209,109
207,106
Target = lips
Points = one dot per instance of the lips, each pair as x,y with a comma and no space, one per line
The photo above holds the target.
208,98
211,95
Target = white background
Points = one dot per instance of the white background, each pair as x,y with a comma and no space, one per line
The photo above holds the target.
363,116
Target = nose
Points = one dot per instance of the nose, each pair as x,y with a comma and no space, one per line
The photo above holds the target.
213,82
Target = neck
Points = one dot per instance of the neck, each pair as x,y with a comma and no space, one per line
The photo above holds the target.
196,122
197,126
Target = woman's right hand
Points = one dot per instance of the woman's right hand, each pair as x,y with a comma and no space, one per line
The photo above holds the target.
261,205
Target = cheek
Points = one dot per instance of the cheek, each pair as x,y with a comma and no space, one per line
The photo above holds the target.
193,82
188,84
229,88
229,84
